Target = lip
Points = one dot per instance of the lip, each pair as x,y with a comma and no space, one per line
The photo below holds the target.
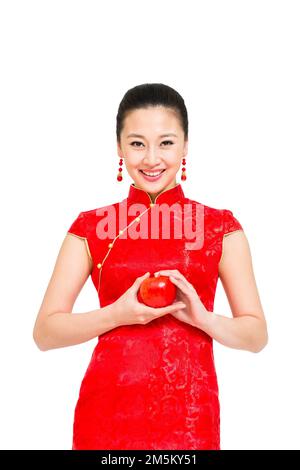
152,178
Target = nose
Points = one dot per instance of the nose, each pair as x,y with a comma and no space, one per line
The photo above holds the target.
151,158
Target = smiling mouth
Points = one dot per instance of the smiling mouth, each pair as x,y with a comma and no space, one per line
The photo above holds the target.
152,174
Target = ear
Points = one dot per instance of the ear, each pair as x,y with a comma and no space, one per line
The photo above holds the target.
120,153
185,149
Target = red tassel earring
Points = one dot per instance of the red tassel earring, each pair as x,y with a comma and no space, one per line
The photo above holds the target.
183,174
120,177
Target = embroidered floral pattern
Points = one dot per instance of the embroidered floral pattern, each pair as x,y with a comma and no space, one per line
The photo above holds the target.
152,386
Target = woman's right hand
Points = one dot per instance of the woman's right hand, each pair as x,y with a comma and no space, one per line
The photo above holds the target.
128,310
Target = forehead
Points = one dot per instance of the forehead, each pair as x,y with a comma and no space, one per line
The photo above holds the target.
153,119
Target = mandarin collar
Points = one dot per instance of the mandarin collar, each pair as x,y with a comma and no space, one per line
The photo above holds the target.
168,196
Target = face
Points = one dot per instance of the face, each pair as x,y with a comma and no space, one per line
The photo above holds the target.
152,141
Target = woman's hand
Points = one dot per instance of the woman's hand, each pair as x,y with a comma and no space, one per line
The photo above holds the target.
194,312
127,310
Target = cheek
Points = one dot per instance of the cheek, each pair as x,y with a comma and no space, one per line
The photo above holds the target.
132,162
174,167
174,162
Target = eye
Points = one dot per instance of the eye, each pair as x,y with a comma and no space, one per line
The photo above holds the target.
136,142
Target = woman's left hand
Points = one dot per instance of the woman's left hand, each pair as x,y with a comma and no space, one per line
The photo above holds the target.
194,313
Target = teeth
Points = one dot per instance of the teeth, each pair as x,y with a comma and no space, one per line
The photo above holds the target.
152,174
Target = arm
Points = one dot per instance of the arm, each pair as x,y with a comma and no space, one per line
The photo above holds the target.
247,329
55,325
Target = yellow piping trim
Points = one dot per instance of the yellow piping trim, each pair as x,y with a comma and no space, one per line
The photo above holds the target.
229,233
225,235
177,184
100,271
86,244
134,220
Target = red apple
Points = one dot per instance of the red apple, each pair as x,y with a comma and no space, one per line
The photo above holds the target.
157,291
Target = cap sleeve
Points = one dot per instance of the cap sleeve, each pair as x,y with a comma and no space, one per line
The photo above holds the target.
78,228
230,223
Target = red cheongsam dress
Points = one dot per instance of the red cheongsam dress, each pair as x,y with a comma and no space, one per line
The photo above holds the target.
151,386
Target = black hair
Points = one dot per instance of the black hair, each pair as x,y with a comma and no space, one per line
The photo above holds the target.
152,94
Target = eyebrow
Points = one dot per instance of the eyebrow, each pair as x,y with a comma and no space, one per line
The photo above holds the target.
141,136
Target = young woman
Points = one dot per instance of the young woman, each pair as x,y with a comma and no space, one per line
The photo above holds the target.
151,381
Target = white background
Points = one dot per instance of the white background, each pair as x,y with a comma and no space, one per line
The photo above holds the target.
65,66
